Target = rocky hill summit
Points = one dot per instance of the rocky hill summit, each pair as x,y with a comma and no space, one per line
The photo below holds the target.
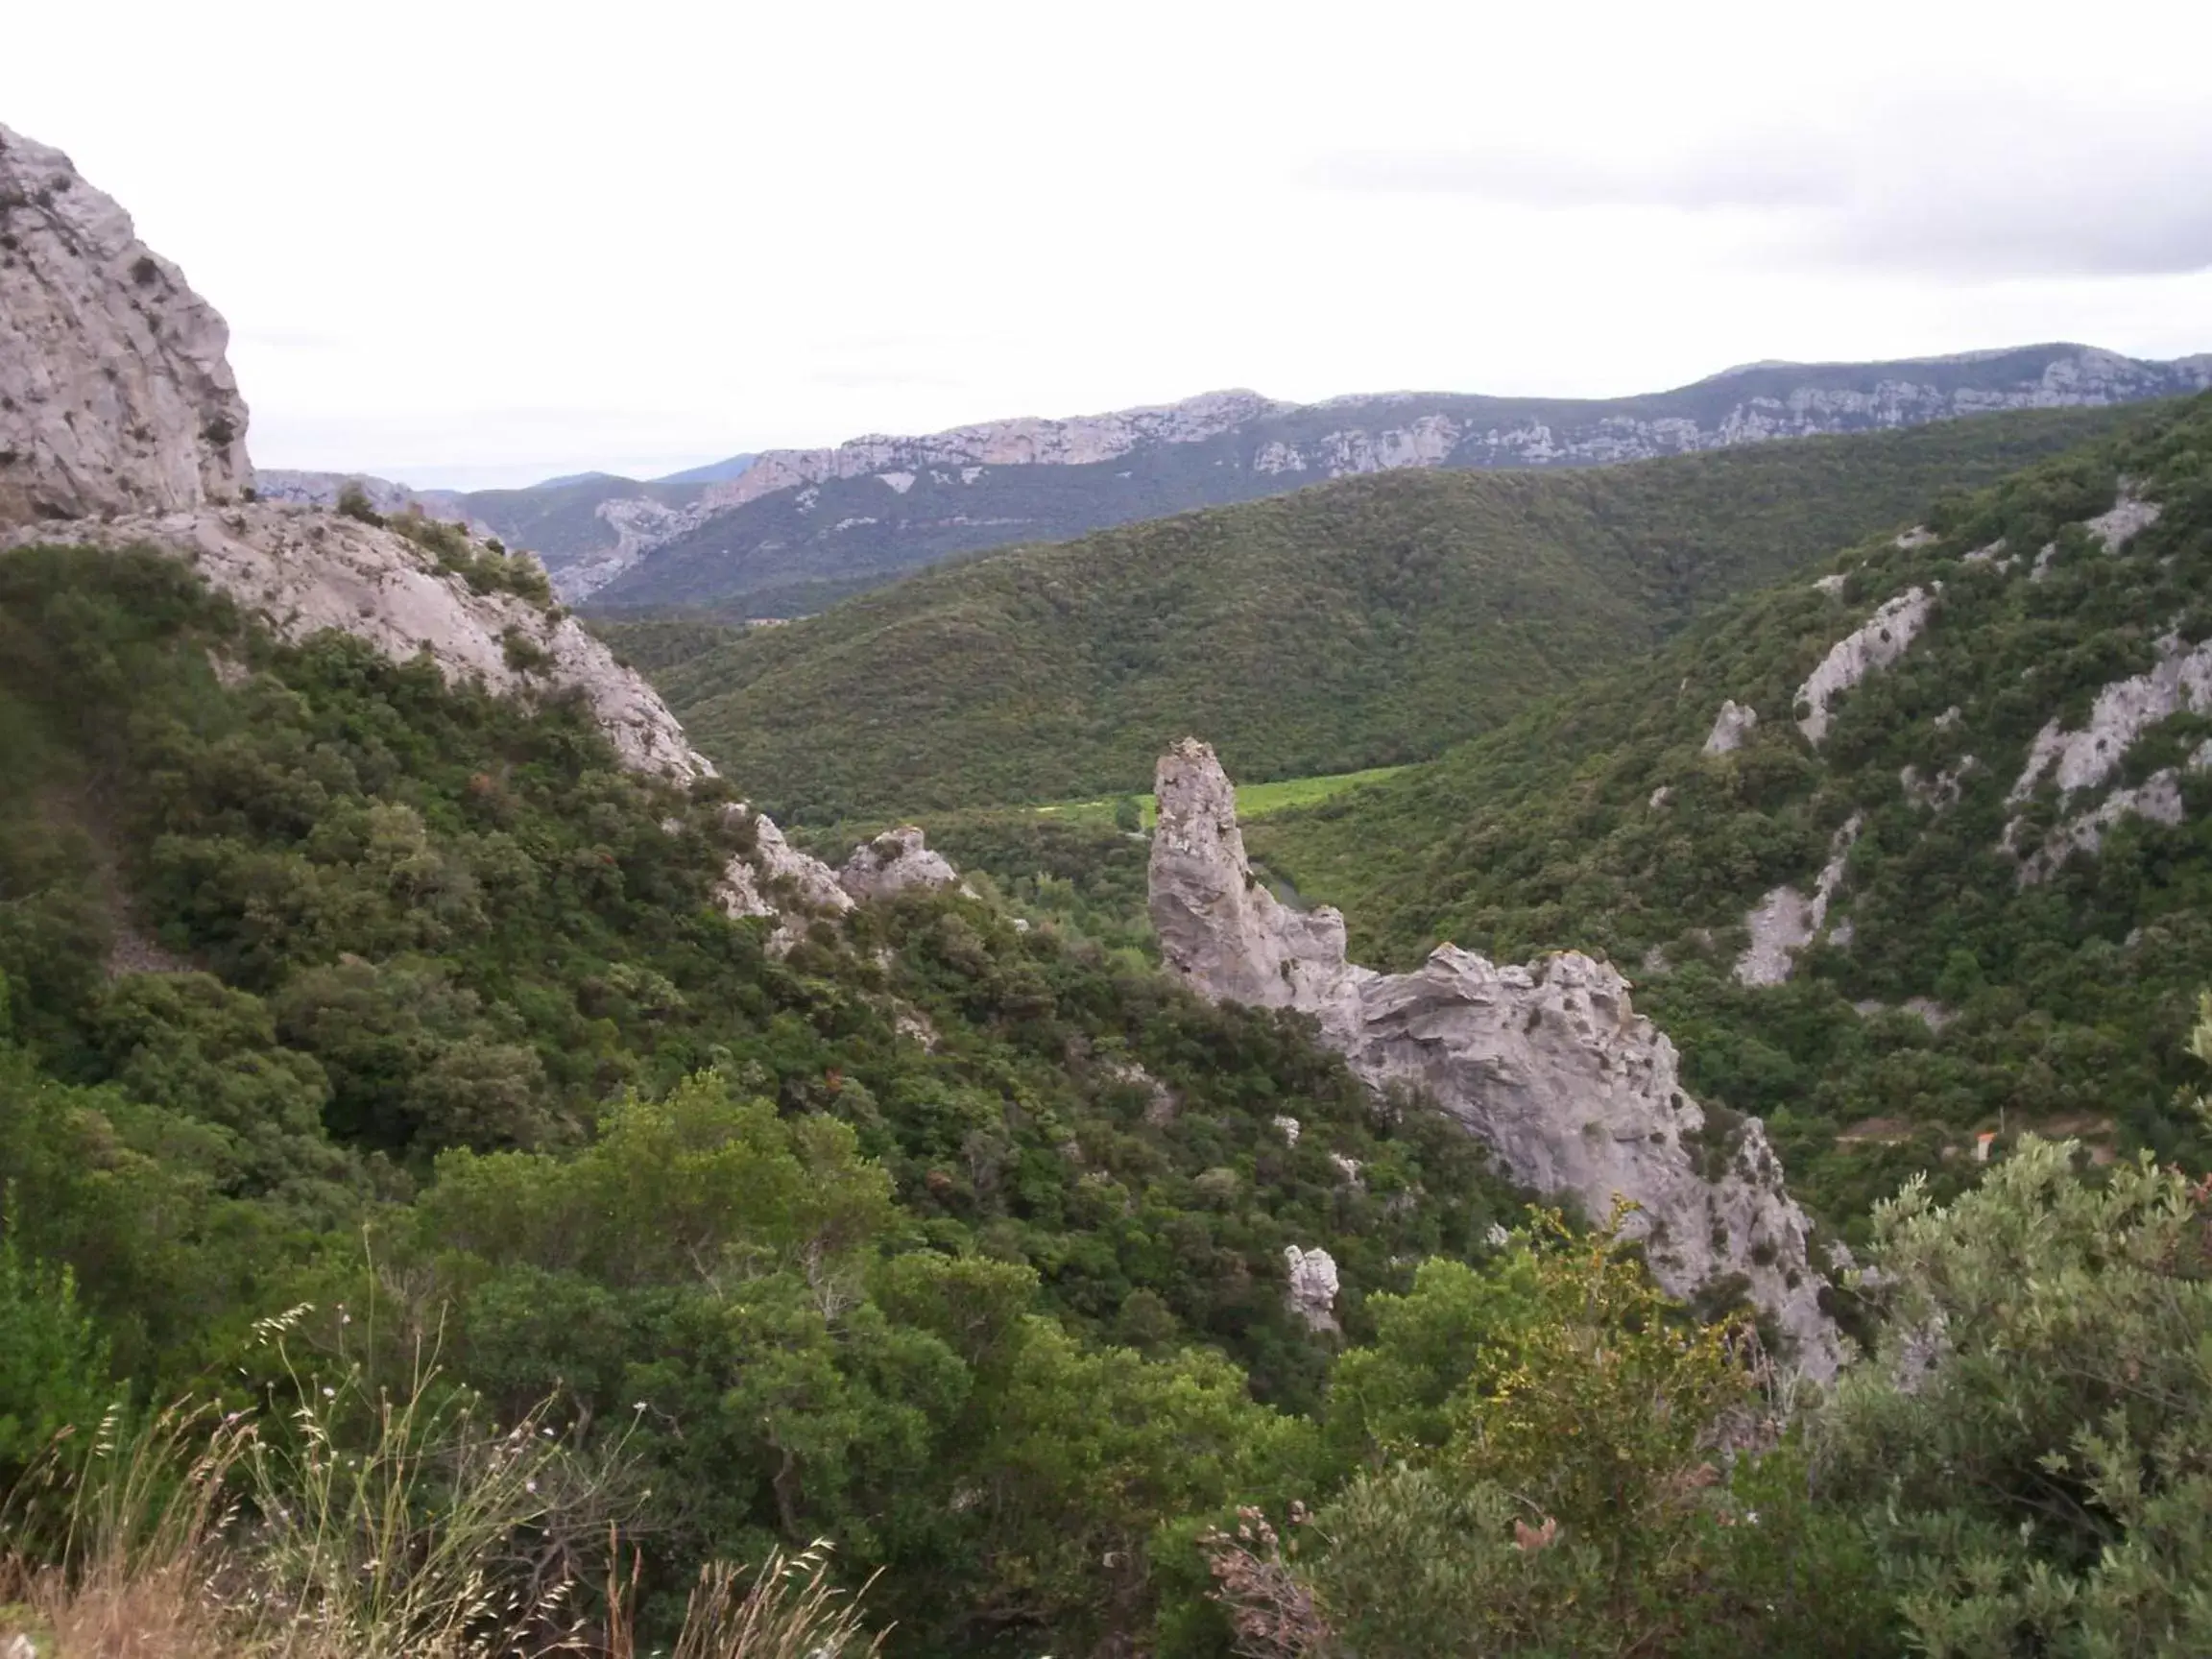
121,427
1547,1064
115,392
797,520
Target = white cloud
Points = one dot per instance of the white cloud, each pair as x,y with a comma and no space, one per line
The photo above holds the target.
481,239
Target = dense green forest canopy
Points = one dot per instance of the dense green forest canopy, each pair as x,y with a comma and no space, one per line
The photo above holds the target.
1597,821
349,1017
301,942
1359,623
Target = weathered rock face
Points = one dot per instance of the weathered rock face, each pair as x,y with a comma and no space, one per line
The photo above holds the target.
1731,726
1546,1064
1786,921
322,490
1231,938
779,881
121,427
895,861
1875,643
115,395
303,571
1310,1285
1024,441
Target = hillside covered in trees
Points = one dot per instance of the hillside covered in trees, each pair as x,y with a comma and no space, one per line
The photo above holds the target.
380,1069
1360,623
2014,809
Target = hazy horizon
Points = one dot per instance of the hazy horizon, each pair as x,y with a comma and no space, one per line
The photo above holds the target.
478,245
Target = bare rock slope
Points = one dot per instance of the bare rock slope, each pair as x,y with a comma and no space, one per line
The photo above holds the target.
1547,1064
121,427
115,394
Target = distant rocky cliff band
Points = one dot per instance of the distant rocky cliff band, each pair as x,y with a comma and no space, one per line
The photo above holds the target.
796,527
1546,1064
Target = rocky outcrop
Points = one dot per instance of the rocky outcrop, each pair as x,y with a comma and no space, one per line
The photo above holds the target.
1875,643
893,862
2180,680
1547,1064
302,572
2119,523
1787,920
1731,728
121,427
777,880
880,504
2156,800
115,394
1310,1285
1024,442
324,488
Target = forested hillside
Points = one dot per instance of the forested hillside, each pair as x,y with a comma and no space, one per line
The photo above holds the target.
1360,623
2010,942
372,1041
323,979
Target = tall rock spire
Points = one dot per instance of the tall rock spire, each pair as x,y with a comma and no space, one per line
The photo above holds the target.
1547,1064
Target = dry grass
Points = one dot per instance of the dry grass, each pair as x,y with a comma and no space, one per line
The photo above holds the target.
370,1525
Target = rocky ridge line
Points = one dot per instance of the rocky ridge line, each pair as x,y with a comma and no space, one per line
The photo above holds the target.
121,427
1547,1064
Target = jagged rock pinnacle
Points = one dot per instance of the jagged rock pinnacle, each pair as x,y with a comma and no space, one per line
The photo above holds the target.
1547,1064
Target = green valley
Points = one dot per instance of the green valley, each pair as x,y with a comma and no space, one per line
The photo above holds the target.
1357,624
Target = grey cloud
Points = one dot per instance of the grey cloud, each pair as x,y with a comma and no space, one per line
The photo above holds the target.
1959,192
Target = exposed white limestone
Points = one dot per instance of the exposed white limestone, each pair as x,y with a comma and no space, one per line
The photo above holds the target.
2157,799
776,879
115,392
2127,516
1025,441
1311,1285
1833,583
2181,679
1875,643
1938,793
1733,724
304,570
1547,1064
895,861
1787,920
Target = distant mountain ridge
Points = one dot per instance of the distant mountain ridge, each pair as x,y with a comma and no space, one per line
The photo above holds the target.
1363,622
800,520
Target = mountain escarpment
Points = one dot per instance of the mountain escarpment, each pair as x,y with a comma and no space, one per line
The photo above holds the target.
802,520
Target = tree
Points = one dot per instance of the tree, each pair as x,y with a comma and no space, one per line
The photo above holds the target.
2032,1439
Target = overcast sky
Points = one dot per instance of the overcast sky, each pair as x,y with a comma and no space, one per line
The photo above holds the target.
465,243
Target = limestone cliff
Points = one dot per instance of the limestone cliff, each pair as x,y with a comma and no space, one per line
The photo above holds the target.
115,394
121,427
1547,1064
